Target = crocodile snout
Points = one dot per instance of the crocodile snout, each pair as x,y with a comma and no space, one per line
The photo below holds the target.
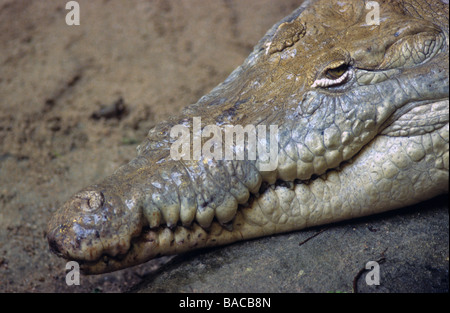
83,228
53,244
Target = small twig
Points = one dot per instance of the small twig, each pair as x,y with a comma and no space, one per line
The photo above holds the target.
311,237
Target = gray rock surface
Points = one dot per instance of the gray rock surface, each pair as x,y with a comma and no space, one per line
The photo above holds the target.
413,243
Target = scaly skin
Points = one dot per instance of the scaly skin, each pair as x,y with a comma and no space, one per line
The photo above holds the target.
362,116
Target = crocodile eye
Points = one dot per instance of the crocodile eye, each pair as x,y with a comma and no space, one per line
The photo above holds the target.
333,75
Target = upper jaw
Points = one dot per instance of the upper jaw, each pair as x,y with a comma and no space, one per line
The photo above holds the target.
91,224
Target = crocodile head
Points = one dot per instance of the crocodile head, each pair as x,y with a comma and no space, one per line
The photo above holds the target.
361,111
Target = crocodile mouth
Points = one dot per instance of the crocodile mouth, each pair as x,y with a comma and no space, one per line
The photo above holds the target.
139,242
154,242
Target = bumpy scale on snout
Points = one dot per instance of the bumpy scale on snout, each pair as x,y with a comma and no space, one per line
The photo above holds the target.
362,118
94,222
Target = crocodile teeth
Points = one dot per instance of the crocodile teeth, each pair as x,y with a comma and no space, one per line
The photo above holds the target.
171,214
239,191
226,211
188,208
204,216
152,214
251,178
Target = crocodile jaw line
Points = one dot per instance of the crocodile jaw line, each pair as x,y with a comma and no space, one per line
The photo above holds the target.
363,129
152,243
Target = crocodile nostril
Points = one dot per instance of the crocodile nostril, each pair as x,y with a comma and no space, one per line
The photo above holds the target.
54,247
91,200
96,200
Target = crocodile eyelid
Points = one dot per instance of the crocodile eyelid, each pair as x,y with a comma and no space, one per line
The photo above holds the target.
326,82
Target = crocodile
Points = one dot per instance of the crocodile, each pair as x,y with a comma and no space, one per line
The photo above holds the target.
358,92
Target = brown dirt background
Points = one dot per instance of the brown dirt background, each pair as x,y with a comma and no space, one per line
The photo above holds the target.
158,56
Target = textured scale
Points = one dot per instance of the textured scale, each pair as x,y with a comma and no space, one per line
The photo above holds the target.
362,119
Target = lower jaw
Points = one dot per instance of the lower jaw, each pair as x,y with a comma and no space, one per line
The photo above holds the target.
377,180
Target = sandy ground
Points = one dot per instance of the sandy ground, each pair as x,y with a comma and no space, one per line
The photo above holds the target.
151,58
